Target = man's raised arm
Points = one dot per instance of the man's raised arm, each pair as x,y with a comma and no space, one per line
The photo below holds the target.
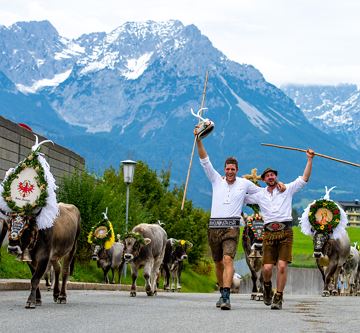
307,171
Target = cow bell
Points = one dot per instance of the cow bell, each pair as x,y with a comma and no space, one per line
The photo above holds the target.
324,261
255,254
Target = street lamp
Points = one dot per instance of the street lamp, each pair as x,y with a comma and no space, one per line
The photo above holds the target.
129,169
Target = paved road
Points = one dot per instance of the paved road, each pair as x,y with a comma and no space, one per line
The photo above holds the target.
115,311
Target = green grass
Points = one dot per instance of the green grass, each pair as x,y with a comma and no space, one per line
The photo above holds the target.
11,268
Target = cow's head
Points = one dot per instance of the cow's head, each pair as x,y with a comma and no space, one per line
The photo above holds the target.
180,249
133,243
21,233
319,241
95,251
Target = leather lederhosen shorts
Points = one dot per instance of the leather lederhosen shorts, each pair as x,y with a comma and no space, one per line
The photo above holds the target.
223,240
277,245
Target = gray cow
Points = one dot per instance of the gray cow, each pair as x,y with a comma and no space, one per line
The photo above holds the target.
349,270
111,259
330,255
145,247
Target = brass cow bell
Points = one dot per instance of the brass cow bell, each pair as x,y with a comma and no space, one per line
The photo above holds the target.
255,254
324,261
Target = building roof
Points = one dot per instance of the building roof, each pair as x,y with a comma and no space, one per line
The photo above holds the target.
354,203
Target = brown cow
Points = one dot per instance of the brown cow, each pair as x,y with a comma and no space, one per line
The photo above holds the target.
330,255
145,247
49,246
252,245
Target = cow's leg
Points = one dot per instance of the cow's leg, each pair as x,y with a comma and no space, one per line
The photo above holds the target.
329,274
321,269
259,284
166,277
334,290
173,279
38,294
47,280
67,269
106,272
155,273
134,275
35,296
65,276
254,290
113,276
56,290
148,274
120,270
179,271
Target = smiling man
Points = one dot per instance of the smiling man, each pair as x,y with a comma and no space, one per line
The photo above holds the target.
276,209
228,193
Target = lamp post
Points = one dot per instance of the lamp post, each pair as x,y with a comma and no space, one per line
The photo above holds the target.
129,169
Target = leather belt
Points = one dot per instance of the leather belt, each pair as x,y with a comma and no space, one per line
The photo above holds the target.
277,226
226,222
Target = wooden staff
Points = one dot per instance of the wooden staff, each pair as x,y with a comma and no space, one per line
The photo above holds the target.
193,148
317,154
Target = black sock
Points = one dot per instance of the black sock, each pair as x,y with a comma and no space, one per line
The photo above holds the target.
226,293
221,290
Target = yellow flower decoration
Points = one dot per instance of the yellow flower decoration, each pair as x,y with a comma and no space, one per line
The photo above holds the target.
322,227
109,243
89,238
182,242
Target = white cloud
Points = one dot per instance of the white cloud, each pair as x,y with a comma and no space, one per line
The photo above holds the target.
288,41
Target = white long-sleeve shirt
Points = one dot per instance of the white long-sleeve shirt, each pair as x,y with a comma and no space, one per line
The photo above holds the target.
227,199
276,206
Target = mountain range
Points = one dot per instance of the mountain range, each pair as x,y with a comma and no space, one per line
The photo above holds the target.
128,94
332,109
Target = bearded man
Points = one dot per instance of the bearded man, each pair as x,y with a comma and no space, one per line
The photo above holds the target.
276,209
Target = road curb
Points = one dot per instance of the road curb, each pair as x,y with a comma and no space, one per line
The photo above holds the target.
20,284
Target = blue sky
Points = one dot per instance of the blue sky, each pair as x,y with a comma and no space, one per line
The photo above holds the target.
289,41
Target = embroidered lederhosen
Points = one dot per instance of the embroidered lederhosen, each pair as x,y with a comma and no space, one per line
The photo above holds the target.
223,236
277,242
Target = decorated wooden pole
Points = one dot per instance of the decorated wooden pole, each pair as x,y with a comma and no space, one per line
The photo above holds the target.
193,148
317,154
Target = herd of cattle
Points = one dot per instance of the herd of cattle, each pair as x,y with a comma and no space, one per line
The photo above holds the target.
147,246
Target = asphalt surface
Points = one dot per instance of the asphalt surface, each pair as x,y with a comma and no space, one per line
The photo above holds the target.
114,311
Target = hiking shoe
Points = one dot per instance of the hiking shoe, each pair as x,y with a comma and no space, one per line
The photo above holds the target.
277,302
219,302
267,294
225,305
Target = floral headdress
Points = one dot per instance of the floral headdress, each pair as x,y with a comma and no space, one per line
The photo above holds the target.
324,216
102,233
42,182
138,237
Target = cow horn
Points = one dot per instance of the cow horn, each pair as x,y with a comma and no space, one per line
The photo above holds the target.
38,144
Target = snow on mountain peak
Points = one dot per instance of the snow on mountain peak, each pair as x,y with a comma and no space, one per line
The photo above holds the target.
55,81
135,67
